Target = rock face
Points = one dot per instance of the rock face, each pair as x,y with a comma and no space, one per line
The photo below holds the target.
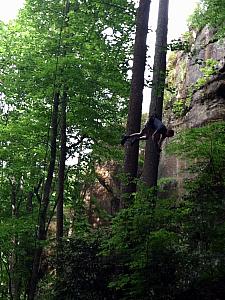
206,99
206,102
103,197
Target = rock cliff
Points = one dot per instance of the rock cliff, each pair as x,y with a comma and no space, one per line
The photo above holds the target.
199,90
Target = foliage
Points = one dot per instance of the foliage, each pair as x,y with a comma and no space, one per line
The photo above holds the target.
205,147
200,143
166,248
207,70
83,48
180,44
175,78
83,273
209,12
156,248
143,246
16,254
178,108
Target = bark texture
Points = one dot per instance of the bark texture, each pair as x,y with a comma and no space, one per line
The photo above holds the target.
41,235
136,96
61,174
151,162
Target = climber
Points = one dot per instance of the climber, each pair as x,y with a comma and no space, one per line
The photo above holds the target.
154,128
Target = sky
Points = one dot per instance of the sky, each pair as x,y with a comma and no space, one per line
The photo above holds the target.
179,10
9,9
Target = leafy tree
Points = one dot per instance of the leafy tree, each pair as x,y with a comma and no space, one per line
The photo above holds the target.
209,13
84,273
40,56
205,199
167,248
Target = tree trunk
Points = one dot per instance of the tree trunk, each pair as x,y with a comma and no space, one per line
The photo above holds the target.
63,150
15,281
41,236
136,96
61,175
151,162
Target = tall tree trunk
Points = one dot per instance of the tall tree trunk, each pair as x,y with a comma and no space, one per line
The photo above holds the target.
151,162
61,174
15,281
41,236
63,150
136,96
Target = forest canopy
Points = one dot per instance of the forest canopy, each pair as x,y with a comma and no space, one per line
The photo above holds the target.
65,230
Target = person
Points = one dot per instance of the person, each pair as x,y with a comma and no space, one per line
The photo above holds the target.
154,128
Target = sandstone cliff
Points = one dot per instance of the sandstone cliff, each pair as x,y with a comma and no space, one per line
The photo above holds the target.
201,101
207,100
200,95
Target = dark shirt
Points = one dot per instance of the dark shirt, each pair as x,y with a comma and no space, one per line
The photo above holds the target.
156,125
